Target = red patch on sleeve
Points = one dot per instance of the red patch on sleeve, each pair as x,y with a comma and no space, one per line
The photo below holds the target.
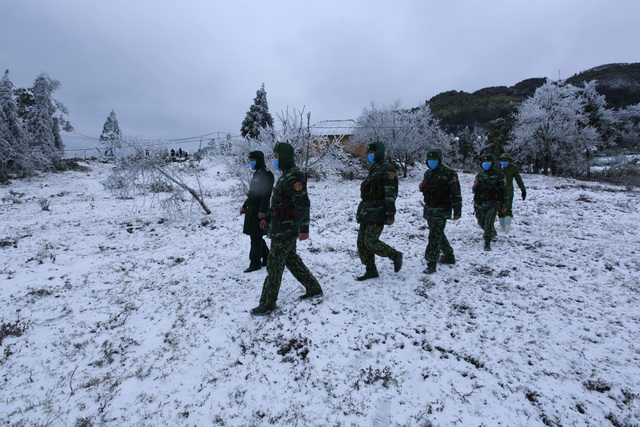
392,175
298,186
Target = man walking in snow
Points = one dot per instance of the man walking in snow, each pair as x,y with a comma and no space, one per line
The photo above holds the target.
255,209
378,191
287,220
510,172
490,196
441,190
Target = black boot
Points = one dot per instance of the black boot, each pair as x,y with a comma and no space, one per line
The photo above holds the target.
253,267
261,310
431,268
371,273
397,261
487,245
308,295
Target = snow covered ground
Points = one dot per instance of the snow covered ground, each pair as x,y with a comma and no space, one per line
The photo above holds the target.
111,316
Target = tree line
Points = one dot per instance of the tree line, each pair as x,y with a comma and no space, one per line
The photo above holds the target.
30,124
555,130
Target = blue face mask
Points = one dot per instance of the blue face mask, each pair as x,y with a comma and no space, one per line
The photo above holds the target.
504,164
275,164
372,158
486,165
252,164
433,164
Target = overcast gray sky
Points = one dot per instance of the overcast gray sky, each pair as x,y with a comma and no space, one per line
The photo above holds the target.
182,68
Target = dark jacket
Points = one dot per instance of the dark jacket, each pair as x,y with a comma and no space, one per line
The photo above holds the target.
258,196
441,190
379,190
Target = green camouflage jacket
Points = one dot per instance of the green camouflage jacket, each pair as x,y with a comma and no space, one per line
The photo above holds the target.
441,190
378,192
511,172
290,205
490,189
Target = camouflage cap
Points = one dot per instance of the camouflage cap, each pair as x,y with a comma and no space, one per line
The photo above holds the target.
433,155
489,157
505,156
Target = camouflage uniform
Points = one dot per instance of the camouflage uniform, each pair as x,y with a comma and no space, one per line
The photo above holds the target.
490,196
287,217
441,190
511,171
378,192
257,202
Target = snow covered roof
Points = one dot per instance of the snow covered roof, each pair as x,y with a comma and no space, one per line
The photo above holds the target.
334,127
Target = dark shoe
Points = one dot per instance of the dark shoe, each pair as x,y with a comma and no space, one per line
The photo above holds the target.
253,268
261,310
431,268
308,295
397,261
371,273
448,259
487,246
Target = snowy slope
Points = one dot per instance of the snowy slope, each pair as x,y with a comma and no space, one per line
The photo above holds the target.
111,316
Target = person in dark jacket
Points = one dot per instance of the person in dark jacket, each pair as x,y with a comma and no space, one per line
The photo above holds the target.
510,172
255,209
287,220
490,197
441,190
378,192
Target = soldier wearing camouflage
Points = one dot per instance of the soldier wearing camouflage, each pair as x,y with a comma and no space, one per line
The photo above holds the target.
286,220
378,192
441,190
490,197
511,172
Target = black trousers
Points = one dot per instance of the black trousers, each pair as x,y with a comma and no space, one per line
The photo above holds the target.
259,251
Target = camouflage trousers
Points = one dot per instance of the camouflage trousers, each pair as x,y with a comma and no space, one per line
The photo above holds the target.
486,216
370,245
438,242
283,254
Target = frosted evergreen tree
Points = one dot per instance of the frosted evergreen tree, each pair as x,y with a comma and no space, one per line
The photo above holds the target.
111,135
42,124
553,131
258,116
12,144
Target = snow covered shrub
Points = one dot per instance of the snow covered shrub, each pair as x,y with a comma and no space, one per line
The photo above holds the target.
44,203
13,197
15,329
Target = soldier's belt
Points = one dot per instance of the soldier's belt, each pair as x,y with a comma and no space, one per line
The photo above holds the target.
283,214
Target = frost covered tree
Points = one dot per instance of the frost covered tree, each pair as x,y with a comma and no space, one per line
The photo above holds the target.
407,134
315,155
111,135
258,116
553,131
12,143
628,124
43,124
141,169
600,117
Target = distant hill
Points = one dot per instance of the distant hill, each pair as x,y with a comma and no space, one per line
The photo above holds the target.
619,83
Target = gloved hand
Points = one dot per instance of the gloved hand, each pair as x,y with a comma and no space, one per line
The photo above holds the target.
524,195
